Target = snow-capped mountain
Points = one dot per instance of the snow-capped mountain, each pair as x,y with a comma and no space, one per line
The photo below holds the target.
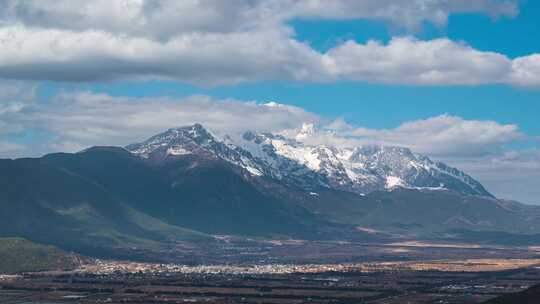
290,160
361,169
195,140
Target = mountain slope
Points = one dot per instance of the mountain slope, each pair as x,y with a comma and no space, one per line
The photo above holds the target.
194,191
106,197
427,213
51,200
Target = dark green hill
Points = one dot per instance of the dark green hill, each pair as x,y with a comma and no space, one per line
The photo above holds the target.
19,255
48,202
206,195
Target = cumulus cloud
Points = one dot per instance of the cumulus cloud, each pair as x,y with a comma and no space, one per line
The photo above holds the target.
411,61
167,18
406,13
156,19
445,135
210,43
526,71
214,59
204,59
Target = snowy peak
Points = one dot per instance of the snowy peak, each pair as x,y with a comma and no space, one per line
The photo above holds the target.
176,141
287,158
361,169
194,140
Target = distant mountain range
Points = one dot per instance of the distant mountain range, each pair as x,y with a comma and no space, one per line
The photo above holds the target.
187,184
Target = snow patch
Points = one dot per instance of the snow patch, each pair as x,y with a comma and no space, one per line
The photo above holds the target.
178,151
253,170
394,181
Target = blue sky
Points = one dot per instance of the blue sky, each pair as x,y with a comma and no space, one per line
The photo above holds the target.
467,72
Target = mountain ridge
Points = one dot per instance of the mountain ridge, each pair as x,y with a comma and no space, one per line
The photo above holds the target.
361,170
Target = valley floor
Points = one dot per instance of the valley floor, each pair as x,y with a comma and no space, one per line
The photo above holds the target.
374,286
410,272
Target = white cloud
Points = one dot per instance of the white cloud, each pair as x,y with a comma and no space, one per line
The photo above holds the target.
445,135
9,149
156,19
526,71
406,13
214,59
168,18
205,59
411,61
215,42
